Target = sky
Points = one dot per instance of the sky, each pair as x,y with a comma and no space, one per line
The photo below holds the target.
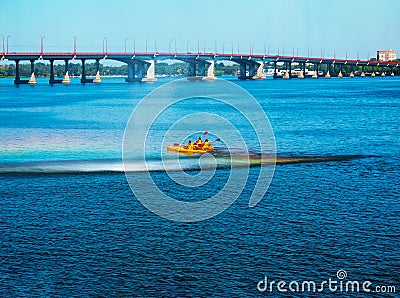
358,27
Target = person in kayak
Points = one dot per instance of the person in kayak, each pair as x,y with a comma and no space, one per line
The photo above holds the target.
207,145
189,146
199,142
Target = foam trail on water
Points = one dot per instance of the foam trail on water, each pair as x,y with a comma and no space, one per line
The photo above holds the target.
157,165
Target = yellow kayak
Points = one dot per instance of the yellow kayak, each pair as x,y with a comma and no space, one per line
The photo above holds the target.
184,150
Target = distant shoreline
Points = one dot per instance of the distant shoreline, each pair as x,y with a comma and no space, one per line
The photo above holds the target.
79,77
103,76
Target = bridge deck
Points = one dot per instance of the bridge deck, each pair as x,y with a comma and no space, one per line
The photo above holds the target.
122,56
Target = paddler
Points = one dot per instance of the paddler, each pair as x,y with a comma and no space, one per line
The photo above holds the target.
199,142
189,146
207,145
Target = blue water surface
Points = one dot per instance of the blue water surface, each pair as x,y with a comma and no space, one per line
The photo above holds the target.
85,234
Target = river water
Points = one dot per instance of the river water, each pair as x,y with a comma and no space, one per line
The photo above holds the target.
71,226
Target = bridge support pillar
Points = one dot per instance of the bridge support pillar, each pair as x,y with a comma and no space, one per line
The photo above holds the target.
243,71
32,79
328,68
210,71
302,72
85,80
192,70
275,73
372,71
383,71
260,72
137,70
97,79
66,79
391,72
352,71
315,74
250,69
340,75
18,80
200,70
131,73
286,75
362,71
52,80
150,73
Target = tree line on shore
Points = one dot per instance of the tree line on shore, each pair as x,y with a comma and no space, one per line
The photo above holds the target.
162,68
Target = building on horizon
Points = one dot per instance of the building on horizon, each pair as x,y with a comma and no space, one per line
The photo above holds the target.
386,55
